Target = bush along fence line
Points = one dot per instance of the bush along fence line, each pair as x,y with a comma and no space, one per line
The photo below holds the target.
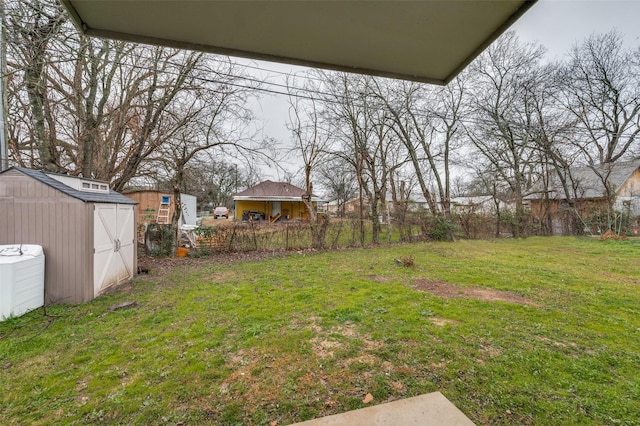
339,233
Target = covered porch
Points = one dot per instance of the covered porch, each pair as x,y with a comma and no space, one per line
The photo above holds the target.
271,210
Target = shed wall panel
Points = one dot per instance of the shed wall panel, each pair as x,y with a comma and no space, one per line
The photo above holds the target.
7,212
39,214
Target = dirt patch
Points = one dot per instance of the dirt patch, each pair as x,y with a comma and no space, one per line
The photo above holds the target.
448,290
441,322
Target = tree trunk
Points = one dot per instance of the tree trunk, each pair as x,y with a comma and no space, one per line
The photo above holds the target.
177,211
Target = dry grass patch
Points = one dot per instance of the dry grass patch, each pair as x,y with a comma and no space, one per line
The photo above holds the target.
441,322
448,290
323,348
326,342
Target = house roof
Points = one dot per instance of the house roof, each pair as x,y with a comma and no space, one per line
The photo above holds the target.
111,197
429,41
273,191
588,180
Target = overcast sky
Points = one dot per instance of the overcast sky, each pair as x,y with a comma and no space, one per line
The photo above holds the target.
559,24
556,24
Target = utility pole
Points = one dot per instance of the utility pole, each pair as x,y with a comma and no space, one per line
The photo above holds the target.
4,152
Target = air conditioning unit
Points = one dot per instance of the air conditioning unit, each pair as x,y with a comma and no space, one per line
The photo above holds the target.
21,279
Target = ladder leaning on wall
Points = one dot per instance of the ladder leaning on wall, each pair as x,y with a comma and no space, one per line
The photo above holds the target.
164,209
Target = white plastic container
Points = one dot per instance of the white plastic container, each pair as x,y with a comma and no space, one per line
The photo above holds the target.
21,279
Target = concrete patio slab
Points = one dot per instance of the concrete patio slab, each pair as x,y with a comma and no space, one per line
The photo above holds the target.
431,409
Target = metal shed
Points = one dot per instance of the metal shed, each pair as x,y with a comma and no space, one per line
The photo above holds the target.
87,231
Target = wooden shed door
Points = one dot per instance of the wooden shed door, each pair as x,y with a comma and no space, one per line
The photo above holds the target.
114,244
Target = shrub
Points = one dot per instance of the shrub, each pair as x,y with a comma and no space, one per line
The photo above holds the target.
158,239
438,228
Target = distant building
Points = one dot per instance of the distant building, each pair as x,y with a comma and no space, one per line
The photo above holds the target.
588,189
151,208
479,204
272,201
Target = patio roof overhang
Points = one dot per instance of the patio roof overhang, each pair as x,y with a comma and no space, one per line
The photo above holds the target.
429,41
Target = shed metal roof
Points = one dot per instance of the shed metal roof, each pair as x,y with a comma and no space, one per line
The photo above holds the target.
111,197
429,41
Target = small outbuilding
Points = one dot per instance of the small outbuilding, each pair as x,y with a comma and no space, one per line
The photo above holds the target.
272,201
158,206
87,231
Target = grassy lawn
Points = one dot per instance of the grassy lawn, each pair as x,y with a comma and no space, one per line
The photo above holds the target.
537,331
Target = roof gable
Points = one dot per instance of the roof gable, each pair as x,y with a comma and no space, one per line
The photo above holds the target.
111,197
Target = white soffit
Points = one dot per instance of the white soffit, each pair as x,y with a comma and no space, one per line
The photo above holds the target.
429,41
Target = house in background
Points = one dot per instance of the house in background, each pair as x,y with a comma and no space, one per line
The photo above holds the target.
87,231
272,201
352,207
588,186
158,206
479,204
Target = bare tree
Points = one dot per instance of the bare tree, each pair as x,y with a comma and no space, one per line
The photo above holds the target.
601,88
345,116
153,122
85,88
427,121
487,180
216,115
95,108
500,130
312,144
338,178
356,119
412,126
214,181
31,27
376,153
552,130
